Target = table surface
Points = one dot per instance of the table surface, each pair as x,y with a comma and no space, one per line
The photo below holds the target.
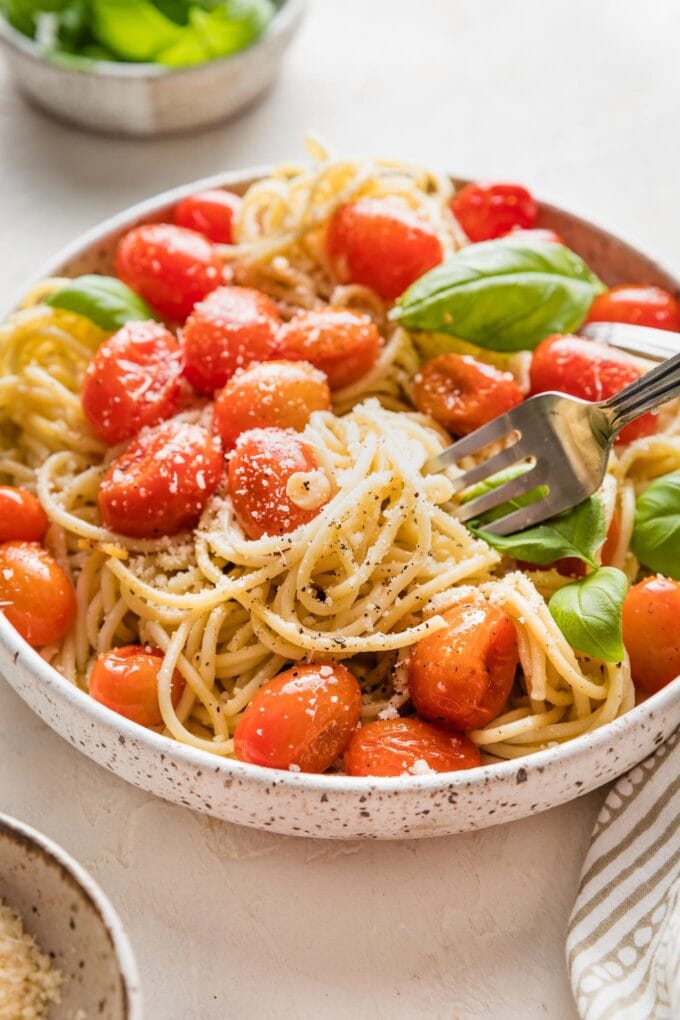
578,100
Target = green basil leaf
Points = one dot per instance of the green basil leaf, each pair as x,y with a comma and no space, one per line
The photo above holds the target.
493,482
133,29
104,300
588,612
505,295
656,533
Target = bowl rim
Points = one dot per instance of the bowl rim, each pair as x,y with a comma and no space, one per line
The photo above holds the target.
515,769
75,872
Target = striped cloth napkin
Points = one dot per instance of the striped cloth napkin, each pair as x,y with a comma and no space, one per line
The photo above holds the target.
623,946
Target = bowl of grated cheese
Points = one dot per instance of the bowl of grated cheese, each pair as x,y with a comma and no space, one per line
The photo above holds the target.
63,952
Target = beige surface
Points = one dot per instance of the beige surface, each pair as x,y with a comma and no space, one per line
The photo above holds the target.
579,100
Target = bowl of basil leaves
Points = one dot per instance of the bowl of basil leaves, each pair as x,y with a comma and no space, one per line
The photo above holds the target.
145,67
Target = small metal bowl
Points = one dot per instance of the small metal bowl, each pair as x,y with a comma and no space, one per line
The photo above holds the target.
143,100
72,921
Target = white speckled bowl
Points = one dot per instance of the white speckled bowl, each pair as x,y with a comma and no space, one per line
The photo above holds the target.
73,922
339,806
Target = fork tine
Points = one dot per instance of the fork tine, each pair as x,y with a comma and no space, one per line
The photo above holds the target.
506,458
490,500
489,433
526,516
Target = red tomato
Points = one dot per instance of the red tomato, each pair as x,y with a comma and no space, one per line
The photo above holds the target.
263,462
126,681
392,747
462,393
571,566
160,484
134,380
589,370
537,234
231,329
211,213
651,612
462,674
382,244
640,305
170,267
22,518
339,342
279,393
36,596
300,720
489,210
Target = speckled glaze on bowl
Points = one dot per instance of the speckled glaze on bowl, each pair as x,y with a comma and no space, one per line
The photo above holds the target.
73,922
339,806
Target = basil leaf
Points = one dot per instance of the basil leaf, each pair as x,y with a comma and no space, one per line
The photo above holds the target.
133,29
656,533
588,612
493,482
104,300
506,295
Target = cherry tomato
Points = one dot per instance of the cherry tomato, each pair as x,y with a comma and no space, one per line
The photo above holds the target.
211,213
589,370
22,518
571,566
126,681
232,328
170,267
392,747
301,720
36,596
462,674
489,210
160,484
537,234
382,244
462,393
651,611
640,305
260,468
134,380
280,393
339,342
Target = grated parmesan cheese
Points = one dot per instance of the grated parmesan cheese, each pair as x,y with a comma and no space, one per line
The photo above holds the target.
28,983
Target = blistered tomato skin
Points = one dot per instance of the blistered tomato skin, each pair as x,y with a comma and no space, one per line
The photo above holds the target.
22,518
301,720
381,243
462,674
211,212
486,211
126,681
162,481
397,747
36,596
651,614
462,393
170,267
231,329
342,344
133,381
639,305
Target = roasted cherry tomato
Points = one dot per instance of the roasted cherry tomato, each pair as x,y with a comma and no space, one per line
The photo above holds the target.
537,234
211,213
589,370
640,305
462,393
126,681
339,342
462,674
134,380
382,244
301,720
170,267
571,566
489,210
262,472
279,393
651,612
160,484
395,747
36,596
231,329
22,518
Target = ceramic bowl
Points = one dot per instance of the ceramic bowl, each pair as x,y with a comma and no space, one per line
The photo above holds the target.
146,99
73,922
340,806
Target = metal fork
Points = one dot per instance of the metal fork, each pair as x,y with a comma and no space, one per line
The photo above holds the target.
566,440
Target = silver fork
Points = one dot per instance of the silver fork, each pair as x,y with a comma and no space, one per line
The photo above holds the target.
566,440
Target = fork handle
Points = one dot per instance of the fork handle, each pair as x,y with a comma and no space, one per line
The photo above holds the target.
648,392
